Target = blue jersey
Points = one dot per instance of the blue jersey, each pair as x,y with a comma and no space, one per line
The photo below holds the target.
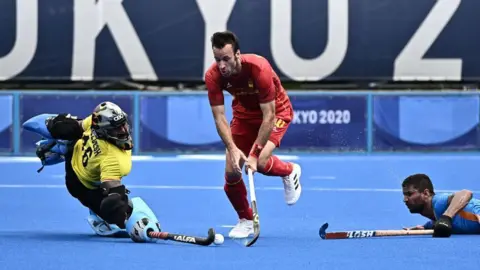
466,221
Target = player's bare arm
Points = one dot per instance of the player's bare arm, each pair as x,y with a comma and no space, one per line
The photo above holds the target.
235,156
216,99
268,110
267,92
418,227
263,75
457,202
222,126
268,122
443,226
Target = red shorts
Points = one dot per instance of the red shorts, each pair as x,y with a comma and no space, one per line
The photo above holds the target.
244,132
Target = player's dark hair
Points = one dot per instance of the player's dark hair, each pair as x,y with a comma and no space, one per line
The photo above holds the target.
420,182
220,39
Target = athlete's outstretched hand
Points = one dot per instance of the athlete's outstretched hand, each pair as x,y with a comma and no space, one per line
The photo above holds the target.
236,157
418,227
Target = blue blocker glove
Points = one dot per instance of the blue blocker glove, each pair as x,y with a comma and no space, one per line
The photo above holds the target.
51,152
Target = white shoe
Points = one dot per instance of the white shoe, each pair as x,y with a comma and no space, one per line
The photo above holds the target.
243,229
292,186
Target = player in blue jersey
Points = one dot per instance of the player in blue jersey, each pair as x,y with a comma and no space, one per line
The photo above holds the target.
451,213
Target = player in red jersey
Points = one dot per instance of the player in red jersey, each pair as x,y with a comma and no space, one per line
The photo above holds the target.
262,113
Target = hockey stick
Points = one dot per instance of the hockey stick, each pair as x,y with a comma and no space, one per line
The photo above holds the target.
368,233
256,218
202,241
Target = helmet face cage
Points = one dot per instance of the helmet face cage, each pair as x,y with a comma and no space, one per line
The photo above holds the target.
111,123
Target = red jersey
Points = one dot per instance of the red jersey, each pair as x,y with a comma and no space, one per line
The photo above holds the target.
256,83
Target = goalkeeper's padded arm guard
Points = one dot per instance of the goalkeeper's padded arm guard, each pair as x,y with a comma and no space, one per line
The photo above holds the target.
65,127
55,126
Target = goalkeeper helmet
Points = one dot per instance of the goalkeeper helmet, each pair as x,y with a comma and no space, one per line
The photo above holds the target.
111,123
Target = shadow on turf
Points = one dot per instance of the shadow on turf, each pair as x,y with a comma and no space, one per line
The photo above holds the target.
60,236
46,236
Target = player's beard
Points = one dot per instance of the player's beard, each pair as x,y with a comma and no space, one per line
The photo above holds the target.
416,208
227,72
232,70
236,67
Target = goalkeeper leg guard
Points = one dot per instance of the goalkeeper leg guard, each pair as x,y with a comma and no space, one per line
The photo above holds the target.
139,225
102,228
139,205
141,221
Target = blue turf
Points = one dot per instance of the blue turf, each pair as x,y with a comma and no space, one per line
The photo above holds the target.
42,227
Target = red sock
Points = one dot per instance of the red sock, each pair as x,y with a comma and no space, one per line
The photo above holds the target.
276,167
237,194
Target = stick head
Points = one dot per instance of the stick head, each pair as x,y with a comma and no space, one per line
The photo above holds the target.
211,235
256,225
256,235
323,230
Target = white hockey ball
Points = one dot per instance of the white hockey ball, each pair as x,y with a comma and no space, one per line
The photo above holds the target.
218,239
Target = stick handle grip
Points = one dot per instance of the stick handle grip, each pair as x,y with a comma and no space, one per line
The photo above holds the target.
251,185
376,233
402,232
256,218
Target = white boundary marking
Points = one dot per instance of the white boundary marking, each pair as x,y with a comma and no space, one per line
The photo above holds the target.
52,186
178,158
322,177
320,158
222,157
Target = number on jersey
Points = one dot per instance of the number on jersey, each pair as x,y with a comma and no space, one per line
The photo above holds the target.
87,153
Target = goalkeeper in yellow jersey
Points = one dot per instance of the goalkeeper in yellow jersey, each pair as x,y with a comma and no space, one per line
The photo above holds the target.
97,152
